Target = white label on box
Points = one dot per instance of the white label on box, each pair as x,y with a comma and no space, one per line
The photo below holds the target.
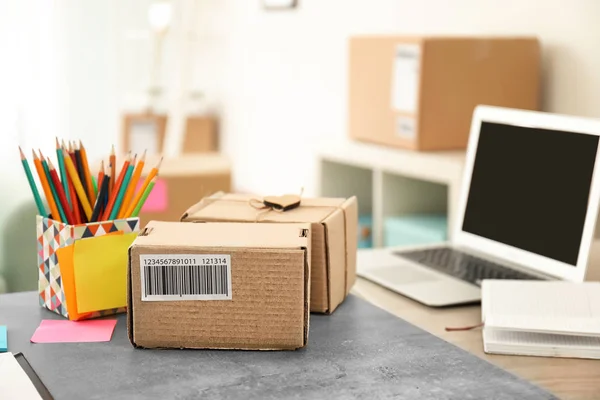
405,127
143,136
176,277
405,82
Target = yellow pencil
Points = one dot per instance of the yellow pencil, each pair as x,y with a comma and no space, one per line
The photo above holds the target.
78,186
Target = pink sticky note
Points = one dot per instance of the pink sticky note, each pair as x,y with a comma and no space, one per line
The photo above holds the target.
157,200
62,331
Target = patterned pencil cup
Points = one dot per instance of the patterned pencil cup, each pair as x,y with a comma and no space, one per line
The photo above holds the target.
83,268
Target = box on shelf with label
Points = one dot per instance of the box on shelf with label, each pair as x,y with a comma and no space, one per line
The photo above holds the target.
220,286
419,93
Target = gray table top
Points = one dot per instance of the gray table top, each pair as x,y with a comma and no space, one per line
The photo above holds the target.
360,351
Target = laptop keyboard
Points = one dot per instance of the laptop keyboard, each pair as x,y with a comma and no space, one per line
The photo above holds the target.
462,265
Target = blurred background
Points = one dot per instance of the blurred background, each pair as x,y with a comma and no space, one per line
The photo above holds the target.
265,84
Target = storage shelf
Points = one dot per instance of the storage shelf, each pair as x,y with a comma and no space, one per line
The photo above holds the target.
391,182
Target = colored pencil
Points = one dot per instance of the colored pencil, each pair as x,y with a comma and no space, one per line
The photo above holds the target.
45,186
36,195
79,212
85,180
115,192
100,176
61,194
78,187
113,172
122,189
132,185
153,173
102,194
59,207
63,172
86,172
140,204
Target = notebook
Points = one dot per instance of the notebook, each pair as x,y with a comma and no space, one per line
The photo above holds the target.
541,318
19,381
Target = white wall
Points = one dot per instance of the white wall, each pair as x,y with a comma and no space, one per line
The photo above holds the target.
283,74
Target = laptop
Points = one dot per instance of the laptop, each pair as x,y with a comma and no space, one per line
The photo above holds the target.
527,210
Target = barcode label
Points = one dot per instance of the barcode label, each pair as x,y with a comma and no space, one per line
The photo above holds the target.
176,277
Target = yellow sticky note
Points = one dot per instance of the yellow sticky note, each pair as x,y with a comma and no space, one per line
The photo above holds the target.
100,266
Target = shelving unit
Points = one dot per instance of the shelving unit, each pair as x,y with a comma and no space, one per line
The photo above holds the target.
391,182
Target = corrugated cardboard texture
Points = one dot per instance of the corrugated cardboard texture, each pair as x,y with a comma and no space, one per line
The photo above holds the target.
201,135
270,288
334,238
187,178
456,74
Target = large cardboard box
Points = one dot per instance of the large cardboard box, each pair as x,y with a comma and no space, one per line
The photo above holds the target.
147,131
182,181
420,92
219,286
334,237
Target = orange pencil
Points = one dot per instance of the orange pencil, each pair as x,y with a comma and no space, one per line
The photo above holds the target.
46,187
100,176
112,160
87,208
88,175
132,184
115,192
61,193
153,173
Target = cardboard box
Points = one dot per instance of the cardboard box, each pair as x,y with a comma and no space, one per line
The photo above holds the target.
201,134
258,299
420,92
147,131
182,181
334,238
82,268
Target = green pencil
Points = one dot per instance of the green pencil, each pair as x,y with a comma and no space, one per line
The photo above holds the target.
145,195
95,184
36,195
63,217
122,190
63,171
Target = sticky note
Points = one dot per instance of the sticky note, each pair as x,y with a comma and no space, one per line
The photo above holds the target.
157,200
3,339
63,331
100,267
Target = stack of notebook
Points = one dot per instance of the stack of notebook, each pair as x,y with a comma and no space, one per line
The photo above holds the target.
541,318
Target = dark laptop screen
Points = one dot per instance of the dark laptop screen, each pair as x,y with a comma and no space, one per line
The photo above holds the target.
530,188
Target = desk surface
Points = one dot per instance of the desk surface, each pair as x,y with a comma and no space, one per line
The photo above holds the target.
566,378
360,351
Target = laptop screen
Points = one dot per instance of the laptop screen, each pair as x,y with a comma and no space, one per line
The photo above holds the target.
530,188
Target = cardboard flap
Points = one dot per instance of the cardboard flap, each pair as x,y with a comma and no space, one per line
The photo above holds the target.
350,207
237,207
158,233
336,257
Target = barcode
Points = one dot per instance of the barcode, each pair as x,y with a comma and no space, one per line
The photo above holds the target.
185,277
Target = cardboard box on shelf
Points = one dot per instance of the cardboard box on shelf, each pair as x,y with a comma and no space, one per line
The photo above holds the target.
219,286
146,131
334,237
419,93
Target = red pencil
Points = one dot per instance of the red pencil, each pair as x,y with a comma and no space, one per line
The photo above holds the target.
61,193
115,192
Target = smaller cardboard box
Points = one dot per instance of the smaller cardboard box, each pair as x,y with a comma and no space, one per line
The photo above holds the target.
219,286
334,237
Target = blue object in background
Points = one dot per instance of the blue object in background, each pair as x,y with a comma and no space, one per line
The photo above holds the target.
415,229
3,339
365,232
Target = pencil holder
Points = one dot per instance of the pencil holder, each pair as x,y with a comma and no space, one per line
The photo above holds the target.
83,268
